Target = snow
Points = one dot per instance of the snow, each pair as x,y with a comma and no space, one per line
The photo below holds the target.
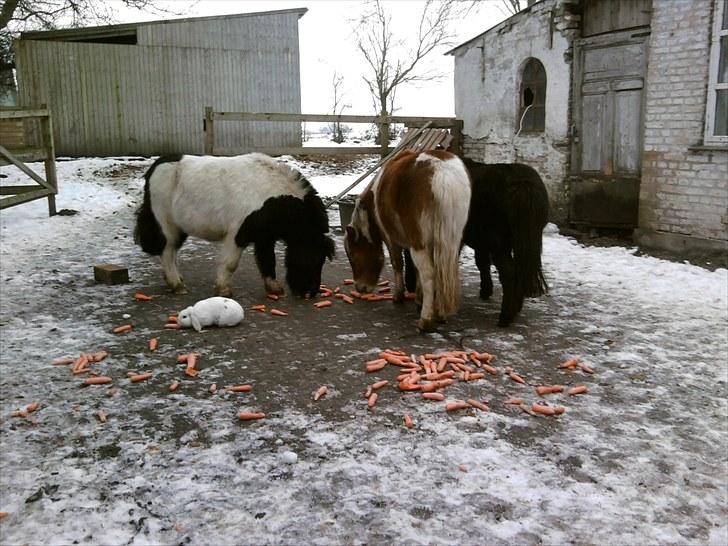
640,460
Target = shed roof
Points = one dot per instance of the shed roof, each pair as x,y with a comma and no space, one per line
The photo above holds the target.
513,19
124,29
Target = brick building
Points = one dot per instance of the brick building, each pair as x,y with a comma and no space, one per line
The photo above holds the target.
621,105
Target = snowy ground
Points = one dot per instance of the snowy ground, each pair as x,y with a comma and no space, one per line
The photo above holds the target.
640,459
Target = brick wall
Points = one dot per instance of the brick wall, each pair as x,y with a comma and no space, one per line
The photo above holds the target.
684,187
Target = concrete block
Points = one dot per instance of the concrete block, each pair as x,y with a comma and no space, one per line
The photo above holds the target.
111,274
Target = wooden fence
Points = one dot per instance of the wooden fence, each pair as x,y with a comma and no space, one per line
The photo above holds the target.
28,134
211,118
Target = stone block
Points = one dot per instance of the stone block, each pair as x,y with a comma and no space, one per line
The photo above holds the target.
111,274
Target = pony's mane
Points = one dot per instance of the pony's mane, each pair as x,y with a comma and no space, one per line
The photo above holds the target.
292,176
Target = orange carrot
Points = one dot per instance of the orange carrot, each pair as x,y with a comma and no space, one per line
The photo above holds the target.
213,388
19,413
462,468
63,361
348,281
408,422
408,386
172,326
274,297
140,377
174,386
101,414
326,293
172,318
258,307
123,328
347,299
558,410
410,296
517,378
490,369
379,384
98,380
372,400
376,365
240,388
433,396
32,407
543,410
182,358
453,406
579,389
322,304
478,405
586,369
514,401
322,390
249,416
569,364
99,356
384,282
191,363
339,296
475,376
140,296
549,389
153,343
355,294
112,392
278,313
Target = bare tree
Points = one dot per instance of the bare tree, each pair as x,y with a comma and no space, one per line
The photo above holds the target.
389,62
513,6
339,107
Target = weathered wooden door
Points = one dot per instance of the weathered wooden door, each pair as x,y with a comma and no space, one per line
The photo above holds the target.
609,75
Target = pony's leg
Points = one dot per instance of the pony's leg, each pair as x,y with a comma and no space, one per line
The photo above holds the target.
229,259
512,294
395,256
265,257
426,275
482,261
410,273
169,262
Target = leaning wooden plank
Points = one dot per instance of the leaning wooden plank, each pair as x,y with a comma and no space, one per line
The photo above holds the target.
24,198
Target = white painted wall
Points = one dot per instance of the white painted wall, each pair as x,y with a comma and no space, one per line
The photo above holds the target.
487,78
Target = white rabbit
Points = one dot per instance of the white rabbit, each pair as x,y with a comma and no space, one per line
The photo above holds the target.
216,311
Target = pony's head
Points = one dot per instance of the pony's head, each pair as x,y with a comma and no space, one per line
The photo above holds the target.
365,254
305,257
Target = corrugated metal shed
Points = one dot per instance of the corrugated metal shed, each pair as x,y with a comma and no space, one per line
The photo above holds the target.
142,88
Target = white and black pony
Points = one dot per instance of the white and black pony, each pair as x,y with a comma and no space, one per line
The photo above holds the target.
236,200
509,209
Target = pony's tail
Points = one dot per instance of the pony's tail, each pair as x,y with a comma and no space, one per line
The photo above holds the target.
147,232
532,203
449,227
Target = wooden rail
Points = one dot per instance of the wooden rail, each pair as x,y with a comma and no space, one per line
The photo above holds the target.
46,187
211,118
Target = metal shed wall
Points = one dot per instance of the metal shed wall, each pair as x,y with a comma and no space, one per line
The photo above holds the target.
149,98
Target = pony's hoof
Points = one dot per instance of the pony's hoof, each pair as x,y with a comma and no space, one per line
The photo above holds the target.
224,292
272,286
181,290
504,322
485,294
398,297
426,325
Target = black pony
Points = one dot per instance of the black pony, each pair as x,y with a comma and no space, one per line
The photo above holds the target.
508,210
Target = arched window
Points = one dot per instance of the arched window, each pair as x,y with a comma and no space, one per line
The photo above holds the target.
532,98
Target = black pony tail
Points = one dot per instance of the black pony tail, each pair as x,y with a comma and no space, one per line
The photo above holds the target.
531,200
148,233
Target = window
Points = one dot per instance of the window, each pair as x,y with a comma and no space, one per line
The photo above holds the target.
532,98
716,118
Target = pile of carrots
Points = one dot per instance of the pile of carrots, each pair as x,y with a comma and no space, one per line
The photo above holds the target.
430,374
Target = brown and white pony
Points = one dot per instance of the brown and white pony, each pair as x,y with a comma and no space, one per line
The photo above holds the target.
419,201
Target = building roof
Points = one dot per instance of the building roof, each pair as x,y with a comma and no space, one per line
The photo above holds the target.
513,19
124,29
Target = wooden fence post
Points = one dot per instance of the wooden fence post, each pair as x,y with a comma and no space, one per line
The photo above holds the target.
456,146
46,131
209,129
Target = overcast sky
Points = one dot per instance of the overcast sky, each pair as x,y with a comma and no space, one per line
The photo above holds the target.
328,45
